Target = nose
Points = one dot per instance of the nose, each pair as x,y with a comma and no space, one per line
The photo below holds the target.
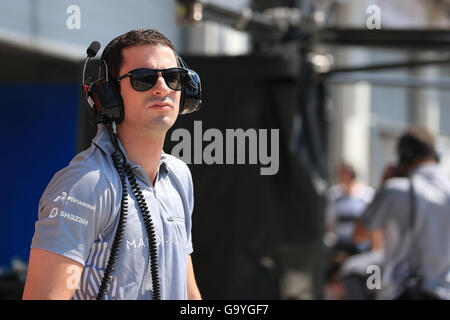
160,87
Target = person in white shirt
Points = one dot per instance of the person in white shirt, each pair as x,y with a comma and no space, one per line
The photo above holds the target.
412,208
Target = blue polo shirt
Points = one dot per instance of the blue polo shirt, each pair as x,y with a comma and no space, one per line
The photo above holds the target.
79,213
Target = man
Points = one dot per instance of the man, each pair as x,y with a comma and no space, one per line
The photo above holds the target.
79,210
415,222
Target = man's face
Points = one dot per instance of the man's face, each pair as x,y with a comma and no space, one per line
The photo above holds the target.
157,108
344,175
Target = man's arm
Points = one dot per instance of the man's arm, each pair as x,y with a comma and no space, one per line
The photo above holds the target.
362,234
192,289
51,276
376,212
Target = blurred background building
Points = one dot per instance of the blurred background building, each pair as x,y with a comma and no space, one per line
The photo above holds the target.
357,115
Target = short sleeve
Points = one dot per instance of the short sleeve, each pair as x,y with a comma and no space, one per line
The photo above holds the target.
387,203
73,210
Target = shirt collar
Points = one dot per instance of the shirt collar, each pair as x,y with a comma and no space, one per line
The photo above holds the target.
103,141
427,168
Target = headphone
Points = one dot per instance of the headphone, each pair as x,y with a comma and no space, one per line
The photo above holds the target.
104,99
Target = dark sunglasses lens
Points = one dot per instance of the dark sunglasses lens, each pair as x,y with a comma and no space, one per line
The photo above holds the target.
174,79
142,80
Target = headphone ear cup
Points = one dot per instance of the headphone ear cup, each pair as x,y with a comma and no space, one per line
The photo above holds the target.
191,95
115,89
93,108
108,101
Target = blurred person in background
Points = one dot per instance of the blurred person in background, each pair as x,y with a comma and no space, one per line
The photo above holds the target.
346,201
412,208
358,273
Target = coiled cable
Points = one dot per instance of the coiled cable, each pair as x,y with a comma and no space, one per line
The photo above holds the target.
124,170
119,164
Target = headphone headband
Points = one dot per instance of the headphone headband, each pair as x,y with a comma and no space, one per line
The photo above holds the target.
104,99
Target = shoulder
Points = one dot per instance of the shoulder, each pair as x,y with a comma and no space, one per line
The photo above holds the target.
334,192
181,176
364,191
88,174
397,185
178,167
395,190
174,162
431,184
388,203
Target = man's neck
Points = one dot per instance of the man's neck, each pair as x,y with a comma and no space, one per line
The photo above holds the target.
421,162
348,187
143,149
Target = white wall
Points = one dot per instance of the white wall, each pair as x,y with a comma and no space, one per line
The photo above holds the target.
41,24
389,110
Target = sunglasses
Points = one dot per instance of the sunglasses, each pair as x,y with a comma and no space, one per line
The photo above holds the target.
144,79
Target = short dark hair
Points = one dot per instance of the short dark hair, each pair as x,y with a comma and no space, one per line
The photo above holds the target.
112,54
348,168
416,143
